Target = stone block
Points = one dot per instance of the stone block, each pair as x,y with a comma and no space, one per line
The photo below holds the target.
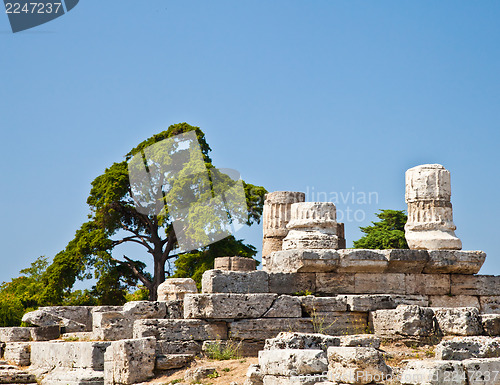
72,318
112,326
312,304
292,283
454,262
483,371
180,329
175,309
227,305
292,362
196,375
18,353
406,261
176,288
461,321
73,377
490,304
261,329
402,322
235,264
372,302
454,301
428,284
284,306
62,354
360,340
356,365
219,281
129,361
254,376
173,361
145,309
294,340
15,334
12,375
178,347
335,283
463,348
45,333
363,261
340,323
491,324
486,285
302,261
433,373
366,283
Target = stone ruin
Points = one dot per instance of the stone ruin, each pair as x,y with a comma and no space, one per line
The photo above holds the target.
315,314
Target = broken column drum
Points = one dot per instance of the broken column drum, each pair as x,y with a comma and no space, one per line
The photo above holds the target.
430,216
313,225
276,216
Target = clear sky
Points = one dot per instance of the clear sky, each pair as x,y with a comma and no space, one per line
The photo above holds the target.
335,97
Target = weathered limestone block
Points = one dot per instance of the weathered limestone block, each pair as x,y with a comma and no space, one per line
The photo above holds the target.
482,371
180,329
129,361
46,356
219,281
366,283
112,326
15,334
254,376
292,362
433,373
404,321
491,324
430,216
363,261
284,306
340,323
294,340
276,215
372,302
145,309
428,284
490,304
235,264
313,225
72,318
484,285
18,353
265,328
176,288
463,348
407,261
12,375
335,283
178,347
67,376
195,375
454,301
454,262
356,365
45,333
173,361
360,340
227,305
312,304
301,260
461,321
175,309
292,283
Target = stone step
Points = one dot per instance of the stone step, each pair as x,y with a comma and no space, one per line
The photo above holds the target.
16,376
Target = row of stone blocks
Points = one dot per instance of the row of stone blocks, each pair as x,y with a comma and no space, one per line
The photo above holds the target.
374,261
306,359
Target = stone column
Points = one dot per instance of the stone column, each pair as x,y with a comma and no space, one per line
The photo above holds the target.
276,216
430,216
313,225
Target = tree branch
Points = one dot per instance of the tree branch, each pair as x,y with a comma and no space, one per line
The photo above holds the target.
136,271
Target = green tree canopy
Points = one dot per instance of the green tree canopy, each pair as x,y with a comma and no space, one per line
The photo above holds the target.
388,233
117,217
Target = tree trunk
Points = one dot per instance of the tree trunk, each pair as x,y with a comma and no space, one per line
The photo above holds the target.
159,277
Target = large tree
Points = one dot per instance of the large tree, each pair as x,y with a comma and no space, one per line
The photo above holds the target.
388,233
121,213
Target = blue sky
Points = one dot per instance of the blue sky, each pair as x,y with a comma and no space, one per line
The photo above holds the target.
326,96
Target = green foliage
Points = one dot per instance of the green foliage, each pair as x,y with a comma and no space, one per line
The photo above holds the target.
141,294
223,350
388,233
192,265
